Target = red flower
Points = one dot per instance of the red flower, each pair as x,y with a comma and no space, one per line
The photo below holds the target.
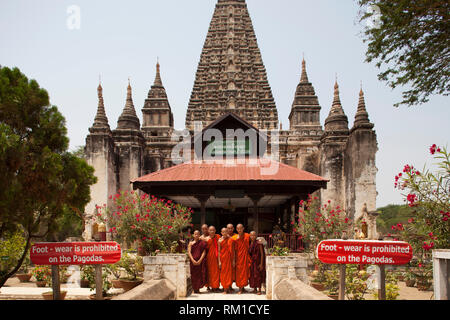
411,198
433,149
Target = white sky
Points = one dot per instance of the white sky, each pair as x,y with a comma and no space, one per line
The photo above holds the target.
121,39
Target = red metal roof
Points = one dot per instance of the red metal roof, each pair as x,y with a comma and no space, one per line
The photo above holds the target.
209,170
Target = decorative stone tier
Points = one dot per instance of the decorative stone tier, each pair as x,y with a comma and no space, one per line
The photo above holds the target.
173,267
292,267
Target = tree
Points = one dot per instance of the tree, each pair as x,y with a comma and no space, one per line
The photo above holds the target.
392,215
411,43
39,177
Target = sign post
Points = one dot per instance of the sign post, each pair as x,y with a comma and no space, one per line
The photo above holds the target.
75,253
98,282
56,287
381,279
361,252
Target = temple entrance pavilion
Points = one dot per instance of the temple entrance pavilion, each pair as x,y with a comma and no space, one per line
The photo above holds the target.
221,193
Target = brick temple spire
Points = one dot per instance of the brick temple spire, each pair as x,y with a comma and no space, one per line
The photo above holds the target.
336,120
304,78
231,76
128,119
158,81
101,120
305,111
157,114
362,116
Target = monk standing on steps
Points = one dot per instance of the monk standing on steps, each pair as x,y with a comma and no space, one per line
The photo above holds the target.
197,254
243,262
212,260
226,252
258,266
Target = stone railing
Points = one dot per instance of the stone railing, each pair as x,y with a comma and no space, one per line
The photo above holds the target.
173,267
441,274
284,267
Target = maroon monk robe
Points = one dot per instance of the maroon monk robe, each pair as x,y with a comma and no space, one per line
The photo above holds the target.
198,273
257,276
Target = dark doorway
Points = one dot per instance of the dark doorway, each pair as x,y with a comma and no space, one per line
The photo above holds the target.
225,217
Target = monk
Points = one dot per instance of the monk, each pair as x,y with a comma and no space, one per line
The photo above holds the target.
258,265
205,232
197,254
243,262
232,235
225,261
212,260
230,229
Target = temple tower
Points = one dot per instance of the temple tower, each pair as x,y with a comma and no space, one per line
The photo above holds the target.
360,164
129,145
99,152
231,76
332,152
158,126
305,128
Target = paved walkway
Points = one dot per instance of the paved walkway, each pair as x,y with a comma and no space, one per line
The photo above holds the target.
205,295
15,290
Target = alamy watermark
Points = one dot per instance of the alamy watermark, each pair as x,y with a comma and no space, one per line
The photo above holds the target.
374,20
73,21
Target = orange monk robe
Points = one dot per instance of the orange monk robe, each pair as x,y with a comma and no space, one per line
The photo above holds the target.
225,260
243,261
212,263
234,237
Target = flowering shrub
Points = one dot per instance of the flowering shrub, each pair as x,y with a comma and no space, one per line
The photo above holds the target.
153,222
428,194
279,251
319,222
42,273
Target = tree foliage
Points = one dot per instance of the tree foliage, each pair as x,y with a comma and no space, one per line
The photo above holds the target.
40,179
411,44
392,215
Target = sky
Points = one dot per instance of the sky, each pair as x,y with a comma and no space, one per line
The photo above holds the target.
123,39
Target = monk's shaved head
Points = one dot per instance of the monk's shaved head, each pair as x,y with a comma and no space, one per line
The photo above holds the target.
224,232
205,229
240,228
253,233
230,229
